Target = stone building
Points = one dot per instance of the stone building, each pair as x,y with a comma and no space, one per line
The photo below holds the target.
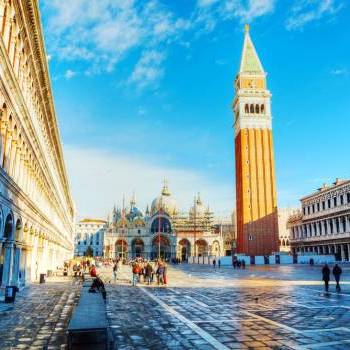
283,231
162,231
322,226
89,233
226,228
36,208
256,198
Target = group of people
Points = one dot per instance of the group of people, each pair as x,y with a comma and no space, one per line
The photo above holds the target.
146,270
326,276
237,264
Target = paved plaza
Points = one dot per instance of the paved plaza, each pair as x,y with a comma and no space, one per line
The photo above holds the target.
281,307
259,308
39,317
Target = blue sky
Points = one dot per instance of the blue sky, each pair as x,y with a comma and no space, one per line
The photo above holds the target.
143,90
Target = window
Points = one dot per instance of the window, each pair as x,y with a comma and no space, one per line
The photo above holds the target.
139,231
323,205
343,224
337,224
257,109
331,225
250,237
341,200
246,108
262,109
313,208
325,227
329,203
318,206
251,108
348,197
304,211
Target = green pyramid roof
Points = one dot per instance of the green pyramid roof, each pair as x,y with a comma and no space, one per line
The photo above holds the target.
250,63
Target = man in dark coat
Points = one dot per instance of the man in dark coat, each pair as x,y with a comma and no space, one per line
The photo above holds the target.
326,276
337,272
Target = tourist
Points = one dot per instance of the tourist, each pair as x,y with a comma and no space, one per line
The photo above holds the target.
160,273
214,263
115,270
326,276
337,272
219,263
165,274
135,272
243,264
149,273
93,272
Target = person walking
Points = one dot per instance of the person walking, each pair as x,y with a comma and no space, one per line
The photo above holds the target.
165,273
337,272
115,270
160,273
93,272
219,263
135,273
149,273
214,263
326,276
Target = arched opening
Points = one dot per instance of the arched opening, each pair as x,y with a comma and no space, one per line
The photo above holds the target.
283,243
161,224
161,248
262,109
137,248
18,231
121,249
185,246
8,230
257,109
201,248
215,248
251,108
246,108
287,243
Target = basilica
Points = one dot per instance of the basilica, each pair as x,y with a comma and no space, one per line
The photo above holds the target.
160,231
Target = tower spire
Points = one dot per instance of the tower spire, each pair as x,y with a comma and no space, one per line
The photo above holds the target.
250,62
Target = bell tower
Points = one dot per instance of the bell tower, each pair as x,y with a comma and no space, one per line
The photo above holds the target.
256,199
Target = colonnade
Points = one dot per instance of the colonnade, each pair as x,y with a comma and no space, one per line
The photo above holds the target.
341,250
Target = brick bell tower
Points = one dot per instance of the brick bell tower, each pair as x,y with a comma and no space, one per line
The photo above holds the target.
256,199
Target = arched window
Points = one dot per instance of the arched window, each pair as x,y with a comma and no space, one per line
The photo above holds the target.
262,109
246,108
257,109
287,243
251,108
283,243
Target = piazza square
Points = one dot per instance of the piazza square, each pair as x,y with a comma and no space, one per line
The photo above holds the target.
174,175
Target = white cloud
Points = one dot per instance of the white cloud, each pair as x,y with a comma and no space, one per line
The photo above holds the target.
103,32
148,69
99,179
69,74
306,11
339,71
209,12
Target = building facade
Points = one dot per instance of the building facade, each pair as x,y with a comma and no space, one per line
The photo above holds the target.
89,235
256,199
36,208
322,226
162,231
283,231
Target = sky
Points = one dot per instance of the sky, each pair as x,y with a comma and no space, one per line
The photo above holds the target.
143,91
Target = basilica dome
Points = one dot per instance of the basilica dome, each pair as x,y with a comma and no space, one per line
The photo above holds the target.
164,202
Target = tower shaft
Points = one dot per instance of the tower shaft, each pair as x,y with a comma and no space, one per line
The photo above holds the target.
256,199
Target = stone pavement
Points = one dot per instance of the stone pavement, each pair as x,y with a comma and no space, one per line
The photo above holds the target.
38,319
280,307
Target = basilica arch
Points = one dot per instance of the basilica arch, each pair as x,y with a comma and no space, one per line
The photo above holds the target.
137,248
161,247
185,249
121,249
161,223
201,247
